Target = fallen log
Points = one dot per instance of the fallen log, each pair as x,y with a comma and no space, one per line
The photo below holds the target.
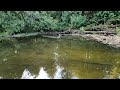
101,27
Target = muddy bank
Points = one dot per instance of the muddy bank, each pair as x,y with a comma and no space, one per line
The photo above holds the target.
20,35
42,34
113,41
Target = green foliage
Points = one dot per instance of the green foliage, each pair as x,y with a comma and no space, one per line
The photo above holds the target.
78,21
102,17
31,21
118,31
10,23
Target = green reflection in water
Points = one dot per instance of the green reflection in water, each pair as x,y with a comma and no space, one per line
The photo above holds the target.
45,58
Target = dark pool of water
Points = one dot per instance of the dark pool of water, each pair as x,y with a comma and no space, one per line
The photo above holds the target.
43,58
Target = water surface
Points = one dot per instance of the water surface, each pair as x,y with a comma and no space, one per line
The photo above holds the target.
43,58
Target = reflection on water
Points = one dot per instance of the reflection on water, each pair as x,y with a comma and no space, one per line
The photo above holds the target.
43,58
41,75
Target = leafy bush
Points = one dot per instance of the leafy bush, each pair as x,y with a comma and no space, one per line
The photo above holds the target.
31,21
78,21
118,31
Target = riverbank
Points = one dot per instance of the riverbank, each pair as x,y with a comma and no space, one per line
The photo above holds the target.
113,41
110,40
20,35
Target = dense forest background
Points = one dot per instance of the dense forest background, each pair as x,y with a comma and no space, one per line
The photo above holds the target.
33,21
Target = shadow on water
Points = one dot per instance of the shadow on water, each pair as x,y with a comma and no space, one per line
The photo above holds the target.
68,58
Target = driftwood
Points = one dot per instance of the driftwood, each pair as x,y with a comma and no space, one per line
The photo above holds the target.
94,30
21,35
100,32
101,27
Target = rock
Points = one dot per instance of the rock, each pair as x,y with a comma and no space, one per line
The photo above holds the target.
104,39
